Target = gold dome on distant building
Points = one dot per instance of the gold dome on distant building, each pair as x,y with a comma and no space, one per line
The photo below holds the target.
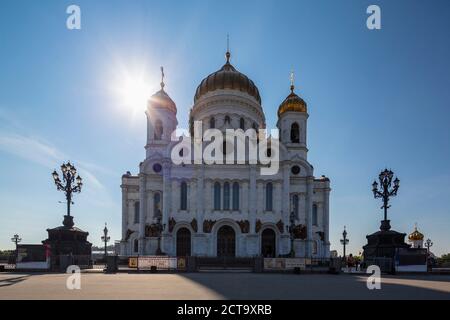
292,102
415,235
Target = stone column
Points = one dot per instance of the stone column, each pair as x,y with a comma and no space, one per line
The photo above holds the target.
286,194
166,196
124,212
150,213
252,205
309,195
326,221
200,200
142,212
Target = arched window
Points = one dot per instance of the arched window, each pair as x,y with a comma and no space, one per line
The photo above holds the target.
217,196
183,194
295,133
242,123
295,206
314,215
136,212
212,123
226,196
158,129
135,245
157,205
269,193
235,196
227,119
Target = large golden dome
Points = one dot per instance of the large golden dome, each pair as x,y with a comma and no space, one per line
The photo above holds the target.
227,78
415,235
292,103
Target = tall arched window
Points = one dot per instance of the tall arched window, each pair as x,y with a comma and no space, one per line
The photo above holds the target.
212,123
217,196
226,196
314,215
269,193
295,206
235,196
135,245
157,205
227,119
158,129
242,123
136,212
295,133
183,195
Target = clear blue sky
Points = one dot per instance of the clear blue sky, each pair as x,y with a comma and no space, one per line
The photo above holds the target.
376,98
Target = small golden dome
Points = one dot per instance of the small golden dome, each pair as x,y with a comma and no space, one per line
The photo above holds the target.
161,99
292,103
415,235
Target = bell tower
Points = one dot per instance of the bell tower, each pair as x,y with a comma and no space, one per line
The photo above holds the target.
292,122
161,118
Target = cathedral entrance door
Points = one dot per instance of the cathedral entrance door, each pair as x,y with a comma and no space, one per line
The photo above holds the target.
226,242
268,243
183,242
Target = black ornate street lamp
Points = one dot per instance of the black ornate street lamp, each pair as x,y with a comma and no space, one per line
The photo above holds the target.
159,228
386,191
105,239
428,244
71,184
16,239
344,240
290,229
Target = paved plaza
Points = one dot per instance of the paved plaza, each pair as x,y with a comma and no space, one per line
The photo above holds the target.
221,286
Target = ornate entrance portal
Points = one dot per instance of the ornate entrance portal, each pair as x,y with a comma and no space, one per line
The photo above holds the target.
268,243
226,242
183,242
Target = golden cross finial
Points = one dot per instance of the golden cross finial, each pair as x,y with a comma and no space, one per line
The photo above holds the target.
162,78
291,77
415,226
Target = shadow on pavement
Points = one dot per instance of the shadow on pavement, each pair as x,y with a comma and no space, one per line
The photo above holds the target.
12,281
320,286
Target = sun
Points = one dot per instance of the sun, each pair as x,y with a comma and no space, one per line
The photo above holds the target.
132,88
133,92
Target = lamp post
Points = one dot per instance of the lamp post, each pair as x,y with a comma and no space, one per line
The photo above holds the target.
428,244
159,228
344,240
105,239
71,184
386,191
16,239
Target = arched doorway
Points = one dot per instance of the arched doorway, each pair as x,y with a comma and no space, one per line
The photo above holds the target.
183,242
268,243
226,242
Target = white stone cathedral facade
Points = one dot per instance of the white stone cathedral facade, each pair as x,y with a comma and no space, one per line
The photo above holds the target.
225,209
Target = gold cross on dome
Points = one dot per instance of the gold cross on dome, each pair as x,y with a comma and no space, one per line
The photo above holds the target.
162,77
